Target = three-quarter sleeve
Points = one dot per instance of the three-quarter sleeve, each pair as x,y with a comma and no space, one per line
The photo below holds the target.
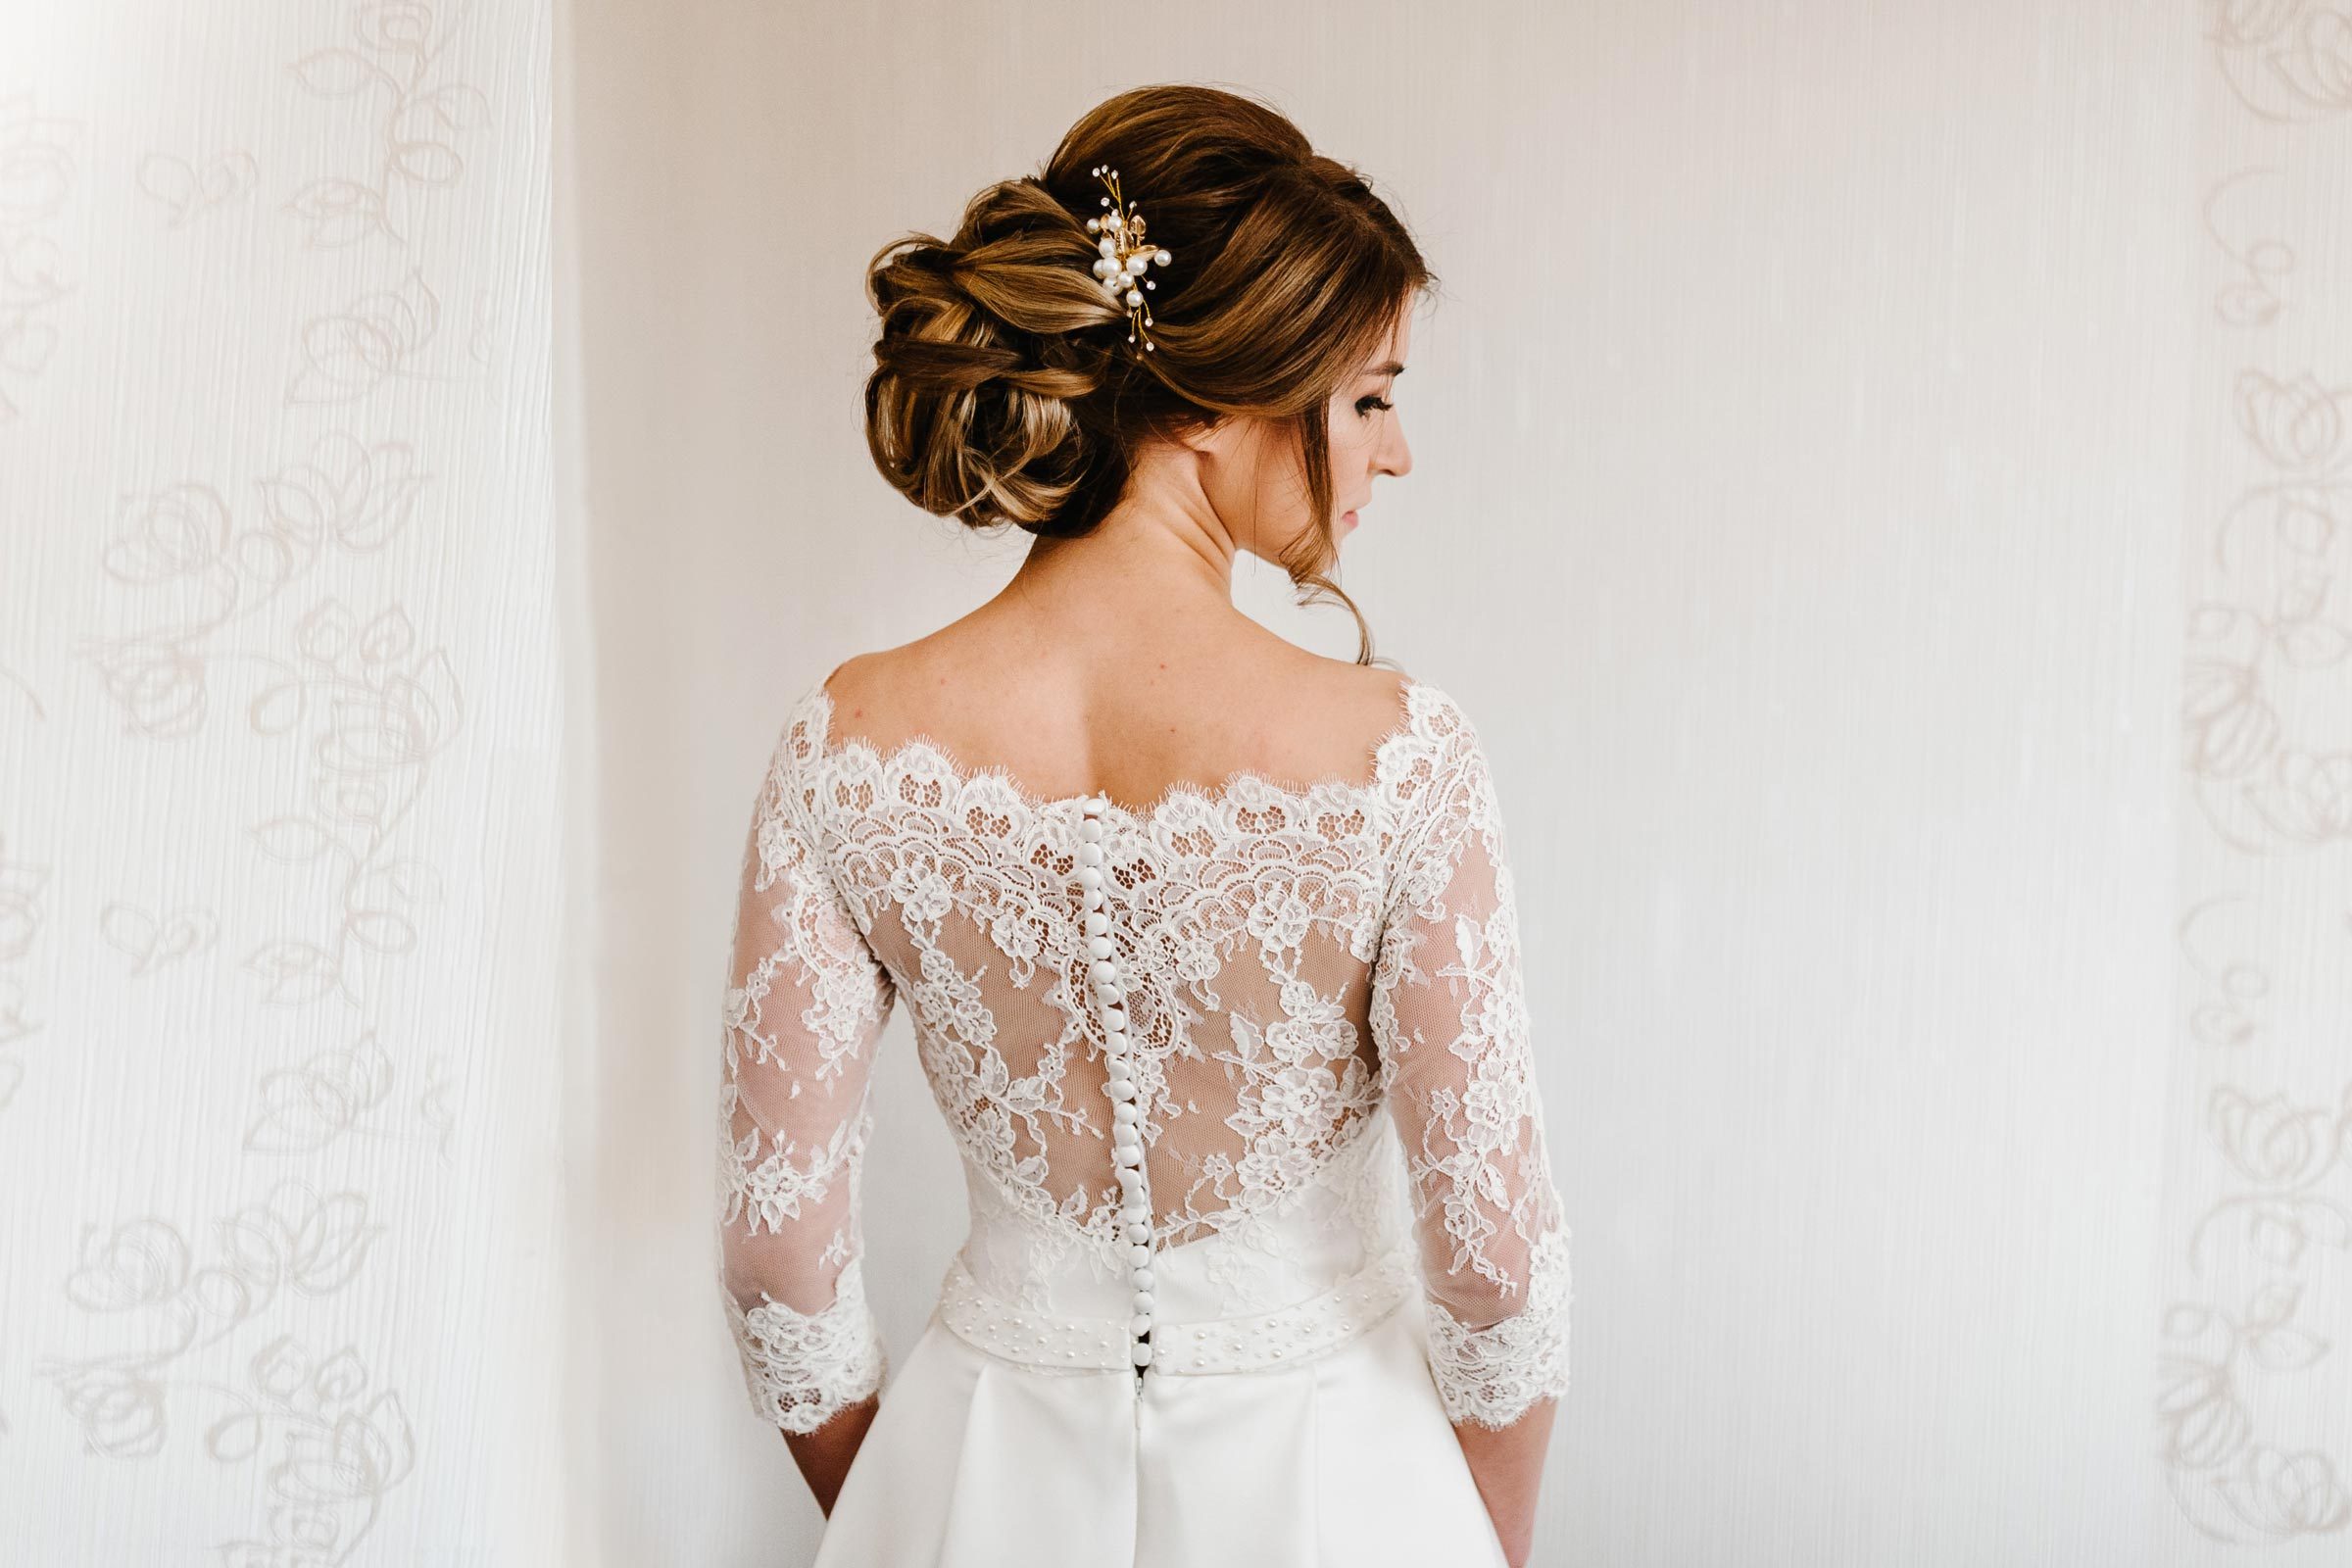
1449,1015
805,1004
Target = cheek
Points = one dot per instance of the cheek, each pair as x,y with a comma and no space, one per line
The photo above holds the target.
1345,429
1352,445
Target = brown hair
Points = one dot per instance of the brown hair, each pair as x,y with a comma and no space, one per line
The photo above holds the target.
1005,389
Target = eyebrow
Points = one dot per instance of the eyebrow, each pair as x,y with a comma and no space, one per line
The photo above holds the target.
1389,368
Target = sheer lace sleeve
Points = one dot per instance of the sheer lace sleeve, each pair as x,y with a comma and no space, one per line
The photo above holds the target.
1449,1015
805,1004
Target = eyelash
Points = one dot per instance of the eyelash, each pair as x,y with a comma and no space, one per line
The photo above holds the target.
1365,405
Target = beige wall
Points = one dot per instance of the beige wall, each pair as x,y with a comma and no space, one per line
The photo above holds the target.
1826,407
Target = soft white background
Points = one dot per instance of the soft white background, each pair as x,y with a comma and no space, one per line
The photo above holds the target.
1882,477
1818,444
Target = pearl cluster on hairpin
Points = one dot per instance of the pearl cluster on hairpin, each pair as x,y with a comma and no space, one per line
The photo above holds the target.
1125,255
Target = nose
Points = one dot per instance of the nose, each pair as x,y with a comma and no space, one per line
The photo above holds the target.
1395,457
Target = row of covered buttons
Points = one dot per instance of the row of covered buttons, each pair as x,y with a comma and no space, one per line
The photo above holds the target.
1126,1133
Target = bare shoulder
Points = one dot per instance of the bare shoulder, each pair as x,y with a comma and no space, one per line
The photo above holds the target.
1373,697
1347,707
848,681
1276,709
872,689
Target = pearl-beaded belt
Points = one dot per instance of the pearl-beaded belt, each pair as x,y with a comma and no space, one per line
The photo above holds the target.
1261,1342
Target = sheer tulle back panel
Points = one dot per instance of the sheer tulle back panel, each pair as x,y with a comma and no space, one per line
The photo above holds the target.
1253,1075
1247,920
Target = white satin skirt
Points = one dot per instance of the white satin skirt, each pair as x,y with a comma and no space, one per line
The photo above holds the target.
1342,1461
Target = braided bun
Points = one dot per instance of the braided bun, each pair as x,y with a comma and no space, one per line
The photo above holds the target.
985,359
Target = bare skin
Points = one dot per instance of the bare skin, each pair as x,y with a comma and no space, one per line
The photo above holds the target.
1117,662
824,1455
1508,1464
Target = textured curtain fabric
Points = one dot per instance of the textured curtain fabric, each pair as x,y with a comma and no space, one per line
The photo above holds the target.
283,871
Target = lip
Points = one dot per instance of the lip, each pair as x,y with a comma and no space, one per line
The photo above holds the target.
1350,518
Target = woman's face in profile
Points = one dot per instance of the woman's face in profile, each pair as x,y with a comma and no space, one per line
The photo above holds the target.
1254,477
1366,432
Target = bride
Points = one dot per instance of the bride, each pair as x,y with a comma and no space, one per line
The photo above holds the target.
1209,943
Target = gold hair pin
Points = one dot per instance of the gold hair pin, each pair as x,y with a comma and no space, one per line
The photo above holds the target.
1124,256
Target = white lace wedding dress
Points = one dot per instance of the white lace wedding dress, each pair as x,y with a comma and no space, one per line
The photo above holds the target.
1230,1324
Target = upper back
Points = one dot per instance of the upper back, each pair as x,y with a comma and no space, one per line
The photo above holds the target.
1059,727
1248,905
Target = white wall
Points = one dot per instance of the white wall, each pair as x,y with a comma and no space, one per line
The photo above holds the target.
1817,448
280,870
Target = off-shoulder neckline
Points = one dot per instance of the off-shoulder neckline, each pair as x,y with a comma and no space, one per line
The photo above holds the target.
1414,699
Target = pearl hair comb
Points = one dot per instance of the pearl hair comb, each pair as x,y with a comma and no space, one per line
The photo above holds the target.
1124,256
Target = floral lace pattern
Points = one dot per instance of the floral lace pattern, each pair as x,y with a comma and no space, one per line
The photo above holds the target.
805,1005
1302,959
1448,984
1489,1376
801,1368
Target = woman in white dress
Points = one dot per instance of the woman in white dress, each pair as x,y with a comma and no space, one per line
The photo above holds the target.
1209,943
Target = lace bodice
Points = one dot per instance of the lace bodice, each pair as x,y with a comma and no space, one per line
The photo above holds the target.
1329,1033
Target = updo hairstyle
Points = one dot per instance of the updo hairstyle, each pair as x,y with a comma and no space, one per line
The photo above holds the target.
1005,389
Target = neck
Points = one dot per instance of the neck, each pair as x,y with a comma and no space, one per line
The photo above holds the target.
1162,550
